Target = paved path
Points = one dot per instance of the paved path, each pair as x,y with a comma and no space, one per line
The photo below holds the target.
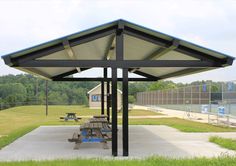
50,142
198,117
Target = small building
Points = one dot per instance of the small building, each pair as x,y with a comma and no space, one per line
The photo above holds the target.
95,97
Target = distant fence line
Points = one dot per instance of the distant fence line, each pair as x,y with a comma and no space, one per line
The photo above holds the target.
193,97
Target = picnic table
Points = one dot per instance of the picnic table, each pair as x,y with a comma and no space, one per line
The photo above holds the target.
96,130
70,116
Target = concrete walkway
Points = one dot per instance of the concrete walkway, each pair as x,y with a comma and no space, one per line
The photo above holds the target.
50,142
194,116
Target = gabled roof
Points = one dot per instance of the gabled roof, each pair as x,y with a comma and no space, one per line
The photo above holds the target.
77,52
98,86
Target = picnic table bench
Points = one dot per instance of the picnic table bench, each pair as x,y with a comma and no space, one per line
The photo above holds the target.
96,130
70,116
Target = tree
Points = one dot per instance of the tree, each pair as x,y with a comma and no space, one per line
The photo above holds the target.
131,99
160,85
13,92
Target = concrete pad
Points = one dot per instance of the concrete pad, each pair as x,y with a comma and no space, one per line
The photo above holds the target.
50,142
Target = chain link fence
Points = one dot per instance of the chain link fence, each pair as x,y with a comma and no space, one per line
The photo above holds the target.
216,100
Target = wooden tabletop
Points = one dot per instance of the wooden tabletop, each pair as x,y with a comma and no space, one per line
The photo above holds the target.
98,120
91,126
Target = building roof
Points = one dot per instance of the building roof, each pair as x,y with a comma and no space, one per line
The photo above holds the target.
96,47
98,86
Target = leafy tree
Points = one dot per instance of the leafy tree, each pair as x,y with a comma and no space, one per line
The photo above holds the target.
131,99
160,85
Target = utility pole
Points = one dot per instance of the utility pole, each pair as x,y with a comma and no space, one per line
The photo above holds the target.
46,93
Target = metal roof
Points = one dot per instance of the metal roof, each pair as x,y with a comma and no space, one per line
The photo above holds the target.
147,53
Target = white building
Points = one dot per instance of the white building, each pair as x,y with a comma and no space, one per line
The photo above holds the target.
95,97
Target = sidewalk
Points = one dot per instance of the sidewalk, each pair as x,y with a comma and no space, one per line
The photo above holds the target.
198,117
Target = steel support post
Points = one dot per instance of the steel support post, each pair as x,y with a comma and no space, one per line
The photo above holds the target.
108,101
102,97
125,123
114,112
107,94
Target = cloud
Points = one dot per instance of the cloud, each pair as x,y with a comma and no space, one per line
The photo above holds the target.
25,23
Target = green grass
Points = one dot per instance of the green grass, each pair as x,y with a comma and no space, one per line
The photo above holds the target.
181,124
18,117
227,143
16,122
153,161
5,140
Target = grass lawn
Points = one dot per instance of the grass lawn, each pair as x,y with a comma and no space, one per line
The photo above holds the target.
227,143
17,117
15,122
153,161
181,124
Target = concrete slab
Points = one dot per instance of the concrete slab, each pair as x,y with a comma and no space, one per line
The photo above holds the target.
50,142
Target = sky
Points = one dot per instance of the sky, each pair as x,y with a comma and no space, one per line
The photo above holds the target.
209,23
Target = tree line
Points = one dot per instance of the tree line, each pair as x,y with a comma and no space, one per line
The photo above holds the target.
25,89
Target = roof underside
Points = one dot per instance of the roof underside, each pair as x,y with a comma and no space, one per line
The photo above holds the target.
99,44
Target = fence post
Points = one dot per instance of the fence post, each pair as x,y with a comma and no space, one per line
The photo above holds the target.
172,96
229,107
222,92
177,96
199,95
209,103
191,97
162,97
184,96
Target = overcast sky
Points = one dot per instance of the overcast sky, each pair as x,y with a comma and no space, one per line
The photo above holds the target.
24,23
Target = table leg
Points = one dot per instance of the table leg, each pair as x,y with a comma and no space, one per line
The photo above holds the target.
77,144
105,146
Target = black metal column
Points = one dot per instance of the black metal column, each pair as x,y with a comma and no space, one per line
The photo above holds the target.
125,123
102,97
114,112
108,101
107,95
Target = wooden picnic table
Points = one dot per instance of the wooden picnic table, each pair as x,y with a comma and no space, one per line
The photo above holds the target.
95,130
90,133
70,116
